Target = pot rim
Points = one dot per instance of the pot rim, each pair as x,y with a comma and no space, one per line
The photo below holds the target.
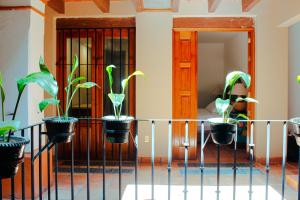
17,142
123,118
219,121
56,119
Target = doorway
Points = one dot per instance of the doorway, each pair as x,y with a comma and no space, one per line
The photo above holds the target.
185,69
97,45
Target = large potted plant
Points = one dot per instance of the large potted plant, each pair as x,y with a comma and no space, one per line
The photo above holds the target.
296,123
223,129
60,128
117,126
12,146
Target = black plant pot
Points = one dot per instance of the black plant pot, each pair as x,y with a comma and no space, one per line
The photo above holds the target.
117,130
11,154
60,130
222,133
296,124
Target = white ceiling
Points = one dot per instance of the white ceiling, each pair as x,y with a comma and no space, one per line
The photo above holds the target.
157,4
216,37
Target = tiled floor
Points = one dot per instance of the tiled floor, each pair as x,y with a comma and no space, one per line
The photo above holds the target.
177,184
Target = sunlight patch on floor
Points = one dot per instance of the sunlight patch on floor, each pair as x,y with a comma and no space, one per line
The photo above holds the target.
161,192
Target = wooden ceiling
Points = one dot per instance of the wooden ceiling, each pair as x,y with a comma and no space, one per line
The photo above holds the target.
103,5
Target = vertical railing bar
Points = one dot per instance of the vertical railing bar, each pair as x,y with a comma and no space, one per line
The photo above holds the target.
79,98
202,160
56,171
72,169
234,161
152,159
32,162
1,188
88,161
136,160
299,173
40,163
218,172
268,159
251,145
284,135
48,172
103,158
120,171
186,145
23,172
169,158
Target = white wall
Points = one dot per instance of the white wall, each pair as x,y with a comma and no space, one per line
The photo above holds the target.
154,32
294,70
236,53
210,72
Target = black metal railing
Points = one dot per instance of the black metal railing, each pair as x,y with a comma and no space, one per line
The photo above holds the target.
35,132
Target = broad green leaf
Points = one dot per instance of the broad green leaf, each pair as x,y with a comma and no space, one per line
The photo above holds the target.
81,78
116,99
74,68
298,79
232,78
242,116
125,81
247,99
7,126
222,105
109,72
43,79
43,67
86,85
46,102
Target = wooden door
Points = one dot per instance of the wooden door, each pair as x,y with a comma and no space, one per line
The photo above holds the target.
184,91
93,103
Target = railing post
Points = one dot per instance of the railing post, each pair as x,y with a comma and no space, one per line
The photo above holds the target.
268,159
299,173
218,172
234,161
120,171
32,162
72,169
136,160
48,172
284,135
152,158
88,160
0,188
23,172
169,158
202,159
40,163
56,171
186,154
103,158
251,145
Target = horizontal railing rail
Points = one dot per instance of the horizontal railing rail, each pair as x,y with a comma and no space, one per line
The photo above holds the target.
35,132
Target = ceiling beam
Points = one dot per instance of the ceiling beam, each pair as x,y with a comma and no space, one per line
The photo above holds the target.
57,5
103,5
213,4
247,5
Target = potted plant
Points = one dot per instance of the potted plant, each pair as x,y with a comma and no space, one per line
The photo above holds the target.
117,126
60,129
223,129
296,123
11,146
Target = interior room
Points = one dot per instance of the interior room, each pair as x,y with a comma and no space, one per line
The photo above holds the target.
218,54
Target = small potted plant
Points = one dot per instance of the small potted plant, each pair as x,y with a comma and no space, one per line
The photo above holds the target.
223,129
60,129
117,126
296,123
12,146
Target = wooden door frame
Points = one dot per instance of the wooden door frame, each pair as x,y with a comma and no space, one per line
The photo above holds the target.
221,24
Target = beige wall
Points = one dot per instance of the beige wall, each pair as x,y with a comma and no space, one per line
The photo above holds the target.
154,57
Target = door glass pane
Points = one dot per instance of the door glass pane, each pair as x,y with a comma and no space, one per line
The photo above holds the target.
116,52
81,104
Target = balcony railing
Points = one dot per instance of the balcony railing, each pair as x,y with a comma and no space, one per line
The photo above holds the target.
50,191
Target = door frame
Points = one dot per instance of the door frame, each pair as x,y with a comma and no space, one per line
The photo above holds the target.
218,24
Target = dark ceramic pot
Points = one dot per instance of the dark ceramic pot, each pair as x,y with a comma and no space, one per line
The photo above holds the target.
222,133
296,125
117,130
11,155
60,130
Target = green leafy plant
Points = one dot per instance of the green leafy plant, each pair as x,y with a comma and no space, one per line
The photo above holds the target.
298,79
223,105
118,98
43,78
73,85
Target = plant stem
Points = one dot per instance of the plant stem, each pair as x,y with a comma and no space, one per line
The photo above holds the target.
3,111
119,115
16,106
57,107
67,100
69,103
